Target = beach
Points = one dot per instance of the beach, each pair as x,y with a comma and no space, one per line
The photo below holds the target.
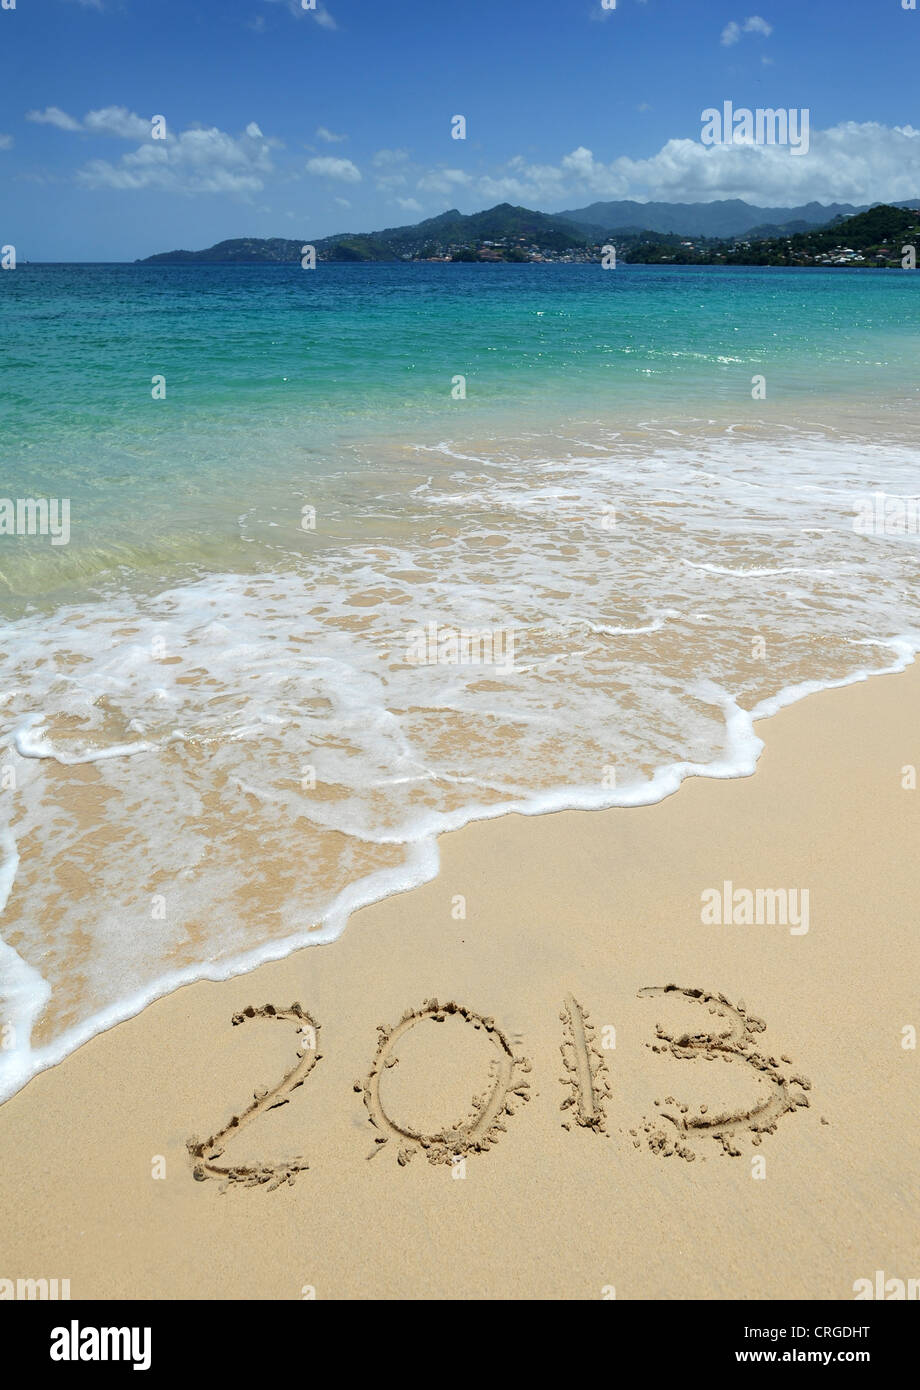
569,917
458,843
459,674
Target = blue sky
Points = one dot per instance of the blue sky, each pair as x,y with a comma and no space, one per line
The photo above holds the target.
282,121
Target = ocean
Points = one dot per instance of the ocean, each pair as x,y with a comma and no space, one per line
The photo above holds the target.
359,554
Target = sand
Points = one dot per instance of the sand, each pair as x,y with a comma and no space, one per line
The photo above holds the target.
740,1161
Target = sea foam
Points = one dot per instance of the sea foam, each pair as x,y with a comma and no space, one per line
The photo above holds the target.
211,775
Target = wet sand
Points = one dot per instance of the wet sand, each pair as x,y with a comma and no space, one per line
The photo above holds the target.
713,1158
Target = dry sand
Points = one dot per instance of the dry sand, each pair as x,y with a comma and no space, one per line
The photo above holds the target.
586,907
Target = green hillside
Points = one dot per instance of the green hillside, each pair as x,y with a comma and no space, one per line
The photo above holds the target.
433,237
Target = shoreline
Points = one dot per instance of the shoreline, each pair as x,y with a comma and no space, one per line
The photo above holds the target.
422,863
565,905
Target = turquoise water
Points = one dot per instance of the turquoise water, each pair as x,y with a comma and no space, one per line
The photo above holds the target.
274,374
350,342
217,734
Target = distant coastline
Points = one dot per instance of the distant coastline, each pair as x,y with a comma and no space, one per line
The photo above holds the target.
875,238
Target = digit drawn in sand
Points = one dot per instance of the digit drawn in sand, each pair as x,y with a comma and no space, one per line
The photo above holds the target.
585,1067
481,1128
205,1152
736,1042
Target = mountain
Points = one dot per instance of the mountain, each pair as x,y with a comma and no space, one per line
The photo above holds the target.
448,229
241,251
878,226
506,232
873,238
495,224
725,218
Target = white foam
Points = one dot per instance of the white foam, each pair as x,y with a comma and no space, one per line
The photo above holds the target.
23,992
218,704
29,743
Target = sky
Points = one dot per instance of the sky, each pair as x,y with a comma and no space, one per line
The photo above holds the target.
282,120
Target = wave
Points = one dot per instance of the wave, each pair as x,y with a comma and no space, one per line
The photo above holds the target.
213,775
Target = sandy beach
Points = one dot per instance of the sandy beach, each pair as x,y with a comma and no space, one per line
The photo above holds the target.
459,674
627,1142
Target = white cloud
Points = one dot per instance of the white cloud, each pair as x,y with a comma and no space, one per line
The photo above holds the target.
6,142
329,136
330,168
343,202
384,157
851,162
53,115
753,25
108,120
196,161
443,180
531,184
116,120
